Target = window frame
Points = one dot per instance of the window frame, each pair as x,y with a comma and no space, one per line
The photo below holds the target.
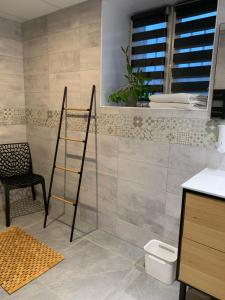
168,79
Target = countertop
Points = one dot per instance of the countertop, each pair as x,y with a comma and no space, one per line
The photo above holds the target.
208,181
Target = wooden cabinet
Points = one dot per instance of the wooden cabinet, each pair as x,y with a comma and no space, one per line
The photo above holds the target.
201,261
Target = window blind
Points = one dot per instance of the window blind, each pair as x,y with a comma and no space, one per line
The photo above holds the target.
193,46
149,42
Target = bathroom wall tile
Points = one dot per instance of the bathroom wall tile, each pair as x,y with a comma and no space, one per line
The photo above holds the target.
107,193
155,153
12,99
36,83
171,229
139,197
57,82
90,58
107,222
12,134
11,65
34,28
150,175
11,47
64,41
64,62
107,144
11,83
183,157
136,235
90,12
88,79
10,29
176,178
90,35
173,205
107,164
64,19
36,65
35,47
214,159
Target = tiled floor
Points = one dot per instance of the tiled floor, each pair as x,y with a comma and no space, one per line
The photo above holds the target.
96,267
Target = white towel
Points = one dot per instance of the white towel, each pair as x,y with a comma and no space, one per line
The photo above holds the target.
183,106
178,98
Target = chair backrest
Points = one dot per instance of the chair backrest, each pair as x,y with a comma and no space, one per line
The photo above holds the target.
15,159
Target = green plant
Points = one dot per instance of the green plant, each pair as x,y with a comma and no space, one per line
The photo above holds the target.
138,84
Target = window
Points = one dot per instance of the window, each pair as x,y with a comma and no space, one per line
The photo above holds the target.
174,46
149,41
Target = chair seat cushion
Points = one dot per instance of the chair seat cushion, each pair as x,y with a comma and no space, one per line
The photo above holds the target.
23,180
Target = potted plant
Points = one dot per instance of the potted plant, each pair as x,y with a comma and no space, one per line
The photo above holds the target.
137,90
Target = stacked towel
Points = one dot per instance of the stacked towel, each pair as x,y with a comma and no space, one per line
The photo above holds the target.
179,101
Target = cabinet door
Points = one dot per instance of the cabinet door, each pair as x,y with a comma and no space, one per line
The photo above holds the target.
204,221
203,268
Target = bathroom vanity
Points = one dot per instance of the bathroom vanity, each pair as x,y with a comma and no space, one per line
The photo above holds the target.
201,253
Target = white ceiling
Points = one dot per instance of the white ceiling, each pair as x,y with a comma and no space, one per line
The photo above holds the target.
23,10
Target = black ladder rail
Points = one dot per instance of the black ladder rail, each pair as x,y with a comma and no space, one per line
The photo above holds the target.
93,97
56,152
79,172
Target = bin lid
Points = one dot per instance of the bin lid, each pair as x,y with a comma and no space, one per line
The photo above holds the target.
161,250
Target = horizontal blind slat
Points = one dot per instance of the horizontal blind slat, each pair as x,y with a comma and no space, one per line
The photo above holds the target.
190,57
194,41
186,87
146,35
149,17
191,72
149,48
148,62
194,8
154,75
196,25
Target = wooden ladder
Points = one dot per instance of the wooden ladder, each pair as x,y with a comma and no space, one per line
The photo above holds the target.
79,172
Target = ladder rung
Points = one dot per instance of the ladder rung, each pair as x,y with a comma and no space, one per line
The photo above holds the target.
77,109
72,140
68,170
62,199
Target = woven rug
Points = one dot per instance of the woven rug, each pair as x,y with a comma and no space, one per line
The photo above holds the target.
23,258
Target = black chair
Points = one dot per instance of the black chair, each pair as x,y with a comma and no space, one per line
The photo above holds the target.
16,172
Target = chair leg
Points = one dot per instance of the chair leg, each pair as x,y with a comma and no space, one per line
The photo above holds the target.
7,207
33,192
44,197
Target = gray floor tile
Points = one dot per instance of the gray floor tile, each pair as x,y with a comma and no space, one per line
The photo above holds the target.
116,245
33,291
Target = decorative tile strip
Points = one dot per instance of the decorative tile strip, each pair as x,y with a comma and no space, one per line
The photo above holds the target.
194,132
11,116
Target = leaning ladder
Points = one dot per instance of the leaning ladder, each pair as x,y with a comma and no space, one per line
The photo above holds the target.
75,171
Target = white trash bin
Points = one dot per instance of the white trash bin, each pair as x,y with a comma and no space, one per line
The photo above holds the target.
160,261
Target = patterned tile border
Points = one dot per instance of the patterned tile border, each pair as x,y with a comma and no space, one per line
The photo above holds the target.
194,132
11,116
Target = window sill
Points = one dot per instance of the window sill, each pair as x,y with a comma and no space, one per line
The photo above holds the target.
157,113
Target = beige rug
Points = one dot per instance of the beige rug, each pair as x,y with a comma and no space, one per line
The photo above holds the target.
23,258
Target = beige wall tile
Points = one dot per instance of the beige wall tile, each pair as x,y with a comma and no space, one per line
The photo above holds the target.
64,62
11,47
35,47
90,58
10,29
89,78
11,83
64,41
90,35
140,172
34,28
36,65
11,65
146,151
37,83
57,82
12,99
